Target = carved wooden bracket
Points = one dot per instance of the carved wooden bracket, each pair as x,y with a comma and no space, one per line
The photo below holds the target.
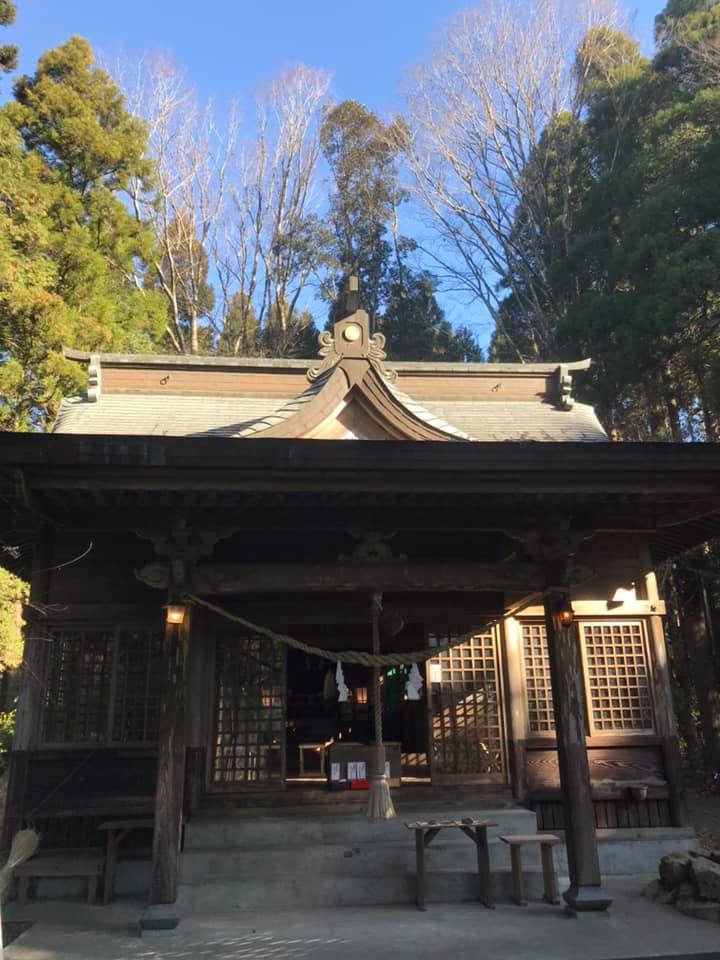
372,547
182,545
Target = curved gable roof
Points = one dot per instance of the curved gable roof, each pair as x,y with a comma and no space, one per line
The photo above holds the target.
351,395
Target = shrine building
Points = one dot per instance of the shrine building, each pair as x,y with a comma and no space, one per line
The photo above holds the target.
511,544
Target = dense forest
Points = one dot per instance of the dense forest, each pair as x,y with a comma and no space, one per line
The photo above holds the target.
542,168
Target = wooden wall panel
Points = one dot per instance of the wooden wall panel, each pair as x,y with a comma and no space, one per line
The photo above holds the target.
88,778
614,764
609,814
209,382
234,381
458,386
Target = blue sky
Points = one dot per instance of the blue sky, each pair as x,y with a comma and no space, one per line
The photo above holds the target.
230,47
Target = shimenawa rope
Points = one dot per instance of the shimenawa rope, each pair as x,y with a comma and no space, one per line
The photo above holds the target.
345,656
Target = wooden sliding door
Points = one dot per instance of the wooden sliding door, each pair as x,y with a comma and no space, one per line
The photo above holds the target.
467,738
248,747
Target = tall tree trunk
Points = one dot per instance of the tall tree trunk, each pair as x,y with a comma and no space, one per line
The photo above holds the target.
671,406
682,680
698,641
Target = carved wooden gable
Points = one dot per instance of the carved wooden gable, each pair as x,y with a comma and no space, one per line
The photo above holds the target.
352,397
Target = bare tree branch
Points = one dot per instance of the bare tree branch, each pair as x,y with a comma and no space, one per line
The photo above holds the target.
498,78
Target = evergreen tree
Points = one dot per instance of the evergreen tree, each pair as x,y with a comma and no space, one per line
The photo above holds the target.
415,326
361,152
71,256
8,52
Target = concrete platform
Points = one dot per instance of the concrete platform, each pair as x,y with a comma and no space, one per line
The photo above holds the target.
232,863
237,859
634,928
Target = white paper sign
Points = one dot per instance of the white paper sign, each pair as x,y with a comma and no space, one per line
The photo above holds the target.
334,771
361,774
352,771
387,769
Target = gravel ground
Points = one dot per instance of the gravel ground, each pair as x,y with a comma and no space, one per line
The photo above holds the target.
705,818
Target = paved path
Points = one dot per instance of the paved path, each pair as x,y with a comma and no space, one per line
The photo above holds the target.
635,928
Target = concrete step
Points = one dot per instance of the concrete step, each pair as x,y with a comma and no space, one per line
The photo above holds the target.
339,859
221,831
296,891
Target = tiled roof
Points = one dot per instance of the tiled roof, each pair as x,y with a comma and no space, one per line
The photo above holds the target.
520,420
176,416
146,415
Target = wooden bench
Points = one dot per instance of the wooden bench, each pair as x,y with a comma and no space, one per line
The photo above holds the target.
425,833
63,863
546,841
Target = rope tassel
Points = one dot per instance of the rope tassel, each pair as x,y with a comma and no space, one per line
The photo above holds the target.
380,805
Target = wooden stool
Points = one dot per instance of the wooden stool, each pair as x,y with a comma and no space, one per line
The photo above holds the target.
546,842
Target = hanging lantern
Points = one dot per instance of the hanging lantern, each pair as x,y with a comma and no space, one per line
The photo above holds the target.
175,613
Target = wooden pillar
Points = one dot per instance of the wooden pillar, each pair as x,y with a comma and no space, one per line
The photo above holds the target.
585,891
171,766
198,695
665,722
516,708
28,716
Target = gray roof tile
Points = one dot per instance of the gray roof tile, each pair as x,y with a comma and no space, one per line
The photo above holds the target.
177,416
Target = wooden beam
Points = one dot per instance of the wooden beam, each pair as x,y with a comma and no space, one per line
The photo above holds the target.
223,578
586,891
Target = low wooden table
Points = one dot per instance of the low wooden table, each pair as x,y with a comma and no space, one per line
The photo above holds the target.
317,748
425,833
117,830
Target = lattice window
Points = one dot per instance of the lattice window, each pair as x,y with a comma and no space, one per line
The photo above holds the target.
467,735
137,686
101,686
249,710
541,716
617,677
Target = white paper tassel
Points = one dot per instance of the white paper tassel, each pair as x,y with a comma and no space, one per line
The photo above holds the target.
414,683
340,683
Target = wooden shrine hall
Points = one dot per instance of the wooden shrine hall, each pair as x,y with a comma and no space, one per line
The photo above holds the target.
480,500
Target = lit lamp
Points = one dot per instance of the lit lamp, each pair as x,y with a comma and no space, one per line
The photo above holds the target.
565,615
175,613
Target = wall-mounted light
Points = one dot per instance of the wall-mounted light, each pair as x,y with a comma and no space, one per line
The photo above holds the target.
175,613
565,614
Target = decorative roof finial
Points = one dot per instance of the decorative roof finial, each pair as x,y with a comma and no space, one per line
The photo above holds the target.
350,337
351,294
